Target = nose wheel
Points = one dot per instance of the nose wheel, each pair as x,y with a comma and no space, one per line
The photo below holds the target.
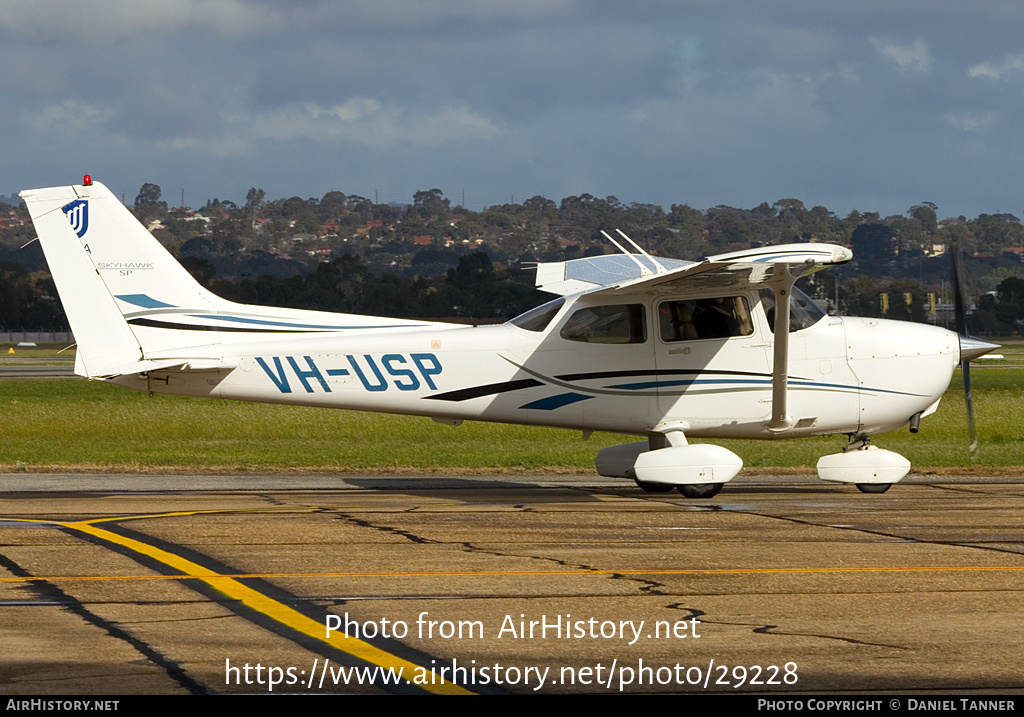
700,490
873,487
870,468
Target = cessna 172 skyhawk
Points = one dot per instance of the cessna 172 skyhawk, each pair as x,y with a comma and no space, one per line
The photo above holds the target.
660,348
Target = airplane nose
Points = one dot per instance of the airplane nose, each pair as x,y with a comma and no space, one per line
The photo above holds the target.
971,348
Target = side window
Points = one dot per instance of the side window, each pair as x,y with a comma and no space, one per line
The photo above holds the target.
619,324
715,318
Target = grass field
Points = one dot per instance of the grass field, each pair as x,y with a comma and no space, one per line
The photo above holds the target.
71,424
42,355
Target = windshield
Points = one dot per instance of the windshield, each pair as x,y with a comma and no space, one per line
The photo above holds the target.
803,312
538,319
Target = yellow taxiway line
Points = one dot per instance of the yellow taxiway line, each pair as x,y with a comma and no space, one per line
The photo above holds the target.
229,586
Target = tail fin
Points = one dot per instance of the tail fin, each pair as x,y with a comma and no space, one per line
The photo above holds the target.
106,265
132,306
62,218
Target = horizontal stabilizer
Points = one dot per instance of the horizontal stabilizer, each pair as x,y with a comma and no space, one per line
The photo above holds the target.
145,366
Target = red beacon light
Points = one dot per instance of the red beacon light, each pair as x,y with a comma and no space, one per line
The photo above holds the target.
87,181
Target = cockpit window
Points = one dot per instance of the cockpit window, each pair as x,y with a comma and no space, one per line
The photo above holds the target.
803,312
537,319
618,324
713,318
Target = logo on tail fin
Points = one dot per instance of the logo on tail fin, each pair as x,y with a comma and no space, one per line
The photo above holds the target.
77,213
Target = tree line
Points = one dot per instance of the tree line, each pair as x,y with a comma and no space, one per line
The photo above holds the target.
428,258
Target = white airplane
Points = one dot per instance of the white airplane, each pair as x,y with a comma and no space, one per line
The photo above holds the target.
660,348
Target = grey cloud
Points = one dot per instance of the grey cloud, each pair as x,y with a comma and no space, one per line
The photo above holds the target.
876,105
100,21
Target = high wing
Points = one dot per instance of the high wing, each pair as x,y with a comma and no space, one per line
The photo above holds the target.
626,273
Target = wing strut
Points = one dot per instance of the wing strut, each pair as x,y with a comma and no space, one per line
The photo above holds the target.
783,288
644,271
660,268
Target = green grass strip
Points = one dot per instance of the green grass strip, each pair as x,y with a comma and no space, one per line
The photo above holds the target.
85,425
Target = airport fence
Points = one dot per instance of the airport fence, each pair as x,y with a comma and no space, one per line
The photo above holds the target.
13,337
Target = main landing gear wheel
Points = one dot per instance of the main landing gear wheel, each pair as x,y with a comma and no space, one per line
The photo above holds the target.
873,487
700,490
648,487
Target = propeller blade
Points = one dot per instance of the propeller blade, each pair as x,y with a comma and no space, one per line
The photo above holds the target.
972,433
960,316
969,347
959,300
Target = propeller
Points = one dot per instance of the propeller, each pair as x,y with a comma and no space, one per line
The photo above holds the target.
970,347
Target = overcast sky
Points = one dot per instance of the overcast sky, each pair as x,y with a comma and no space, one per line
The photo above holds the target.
874,105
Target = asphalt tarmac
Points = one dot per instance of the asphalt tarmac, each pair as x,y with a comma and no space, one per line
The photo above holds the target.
142,584
31,371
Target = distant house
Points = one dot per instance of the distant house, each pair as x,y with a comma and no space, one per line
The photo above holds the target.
369,227
423,240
